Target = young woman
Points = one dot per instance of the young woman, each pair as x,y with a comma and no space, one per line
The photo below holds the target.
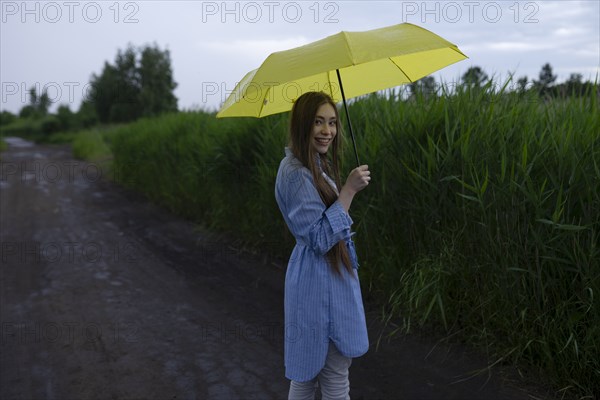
324,316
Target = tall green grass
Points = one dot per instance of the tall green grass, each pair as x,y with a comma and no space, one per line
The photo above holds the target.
217,172
482,218
496,199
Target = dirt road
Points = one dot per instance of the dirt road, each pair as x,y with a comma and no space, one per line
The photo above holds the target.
106,296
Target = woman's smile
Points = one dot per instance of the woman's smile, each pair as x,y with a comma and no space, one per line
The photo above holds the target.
323,141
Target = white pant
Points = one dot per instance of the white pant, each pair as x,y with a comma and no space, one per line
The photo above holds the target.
333,379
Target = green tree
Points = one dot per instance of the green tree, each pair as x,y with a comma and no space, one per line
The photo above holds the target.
474,77
157,82
44,103
546,80
65,117
574,85
126,104
140,83
6,117
50,124
27,111
33,99
522,84
38,105
86,115
115,92
102,92
424,86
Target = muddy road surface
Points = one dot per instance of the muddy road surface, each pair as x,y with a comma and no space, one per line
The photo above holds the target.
107,296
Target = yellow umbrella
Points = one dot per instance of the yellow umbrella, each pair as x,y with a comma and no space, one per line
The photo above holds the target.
365,61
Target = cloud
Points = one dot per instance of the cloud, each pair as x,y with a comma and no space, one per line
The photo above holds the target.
507,46
564,32
518,46
561,10
252,48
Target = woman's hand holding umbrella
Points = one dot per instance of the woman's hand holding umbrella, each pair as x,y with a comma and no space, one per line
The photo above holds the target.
358,179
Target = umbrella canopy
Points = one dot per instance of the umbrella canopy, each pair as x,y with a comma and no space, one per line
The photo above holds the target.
344,65
367,62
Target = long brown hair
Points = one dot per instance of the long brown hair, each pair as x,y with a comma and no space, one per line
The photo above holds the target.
302,120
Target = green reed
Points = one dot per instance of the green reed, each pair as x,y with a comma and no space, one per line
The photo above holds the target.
489,203
482,219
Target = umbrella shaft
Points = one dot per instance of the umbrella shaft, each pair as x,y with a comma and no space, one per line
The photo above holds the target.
348,116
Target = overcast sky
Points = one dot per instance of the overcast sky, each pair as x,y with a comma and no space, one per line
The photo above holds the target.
59,45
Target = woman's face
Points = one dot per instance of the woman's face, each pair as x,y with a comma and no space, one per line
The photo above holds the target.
324,128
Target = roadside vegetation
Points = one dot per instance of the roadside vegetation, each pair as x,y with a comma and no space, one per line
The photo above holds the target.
482,222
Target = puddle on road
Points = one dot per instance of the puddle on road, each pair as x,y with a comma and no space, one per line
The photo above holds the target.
102,275
18,142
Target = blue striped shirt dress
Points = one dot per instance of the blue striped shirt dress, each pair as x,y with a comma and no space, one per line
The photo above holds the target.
320,305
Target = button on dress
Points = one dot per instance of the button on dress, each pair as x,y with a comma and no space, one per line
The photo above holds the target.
320,305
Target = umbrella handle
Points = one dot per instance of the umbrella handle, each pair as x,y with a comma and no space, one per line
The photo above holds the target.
348,117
